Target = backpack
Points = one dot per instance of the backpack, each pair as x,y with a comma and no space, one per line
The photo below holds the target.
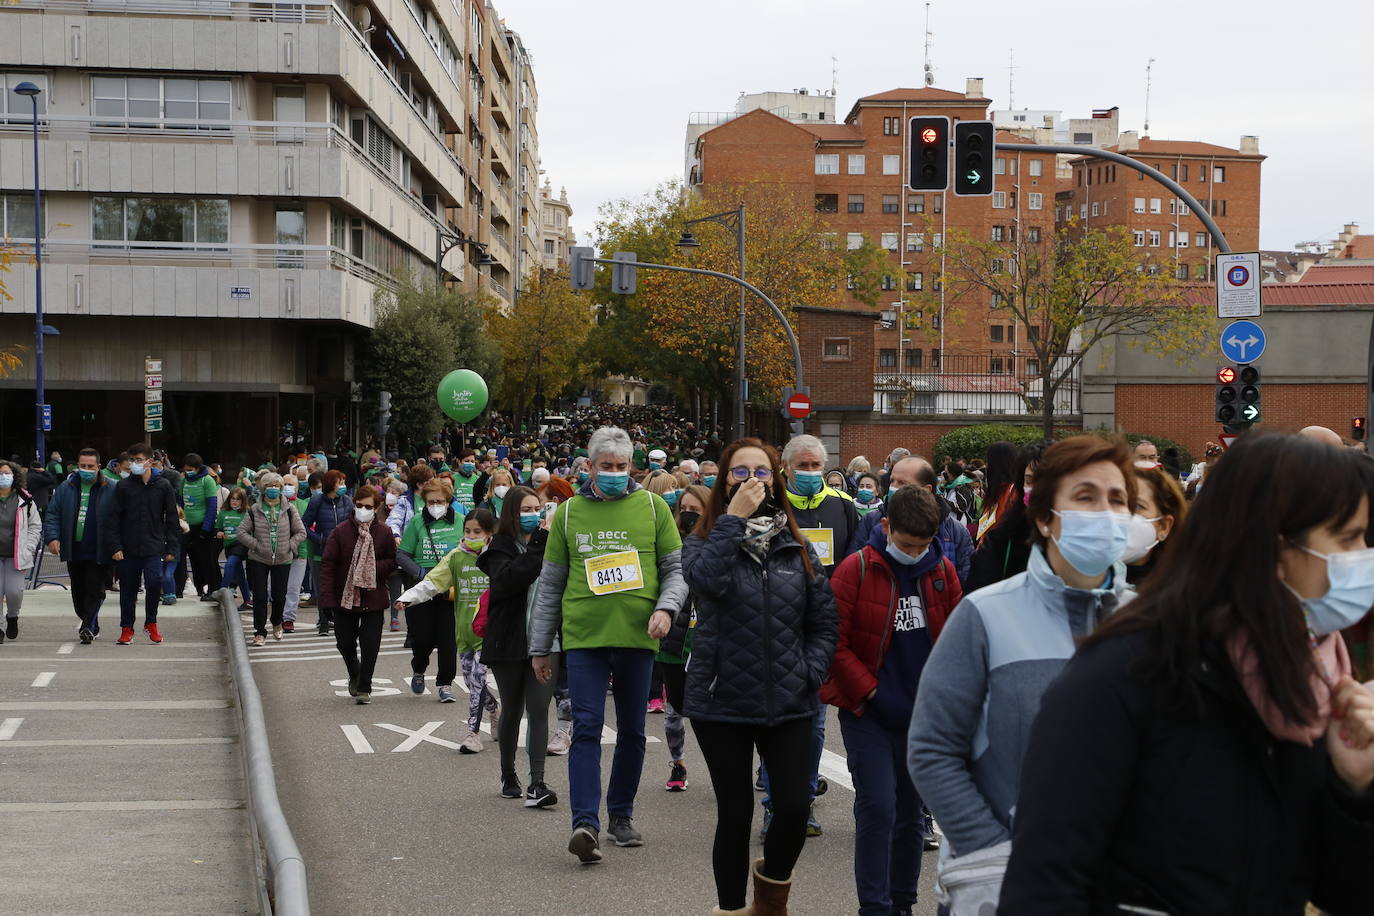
479,623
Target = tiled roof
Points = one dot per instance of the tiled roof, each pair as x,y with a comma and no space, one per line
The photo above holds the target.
1361,247
1293,294
924,94
1335,272
1150,147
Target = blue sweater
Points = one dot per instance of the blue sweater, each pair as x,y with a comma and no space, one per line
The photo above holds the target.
908,645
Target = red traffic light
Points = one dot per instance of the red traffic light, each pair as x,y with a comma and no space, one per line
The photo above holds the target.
1226,375
929,136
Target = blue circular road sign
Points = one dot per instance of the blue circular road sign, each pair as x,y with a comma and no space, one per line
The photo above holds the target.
1242,342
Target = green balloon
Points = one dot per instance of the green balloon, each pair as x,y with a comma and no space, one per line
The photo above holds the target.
462,395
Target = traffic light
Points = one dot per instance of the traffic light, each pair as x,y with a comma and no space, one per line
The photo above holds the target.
383,413
973,149
928,158
623,273
1249,395
582,266
1226,395
1357,429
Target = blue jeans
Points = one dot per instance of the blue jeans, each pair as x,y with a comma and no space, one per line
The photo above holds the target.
887,817
169,572
236,575
130,568
588,673
817,746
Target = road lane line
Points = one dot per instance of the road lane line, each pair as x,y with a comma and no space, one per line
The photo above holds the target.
836,769
44,679
195,804
66,648
82,705
423,733
8,727
314,658
116,742
355,737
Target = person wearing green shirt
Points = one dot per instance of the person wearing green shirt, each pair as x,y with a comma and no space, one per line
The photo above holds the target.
465,479
429,537
200,545
77,528
235,554
611,583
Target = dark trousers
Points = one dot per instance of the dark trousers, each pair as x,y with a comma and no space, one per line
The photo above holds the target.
728,749
674,682
130,569
354,631
520,689
88,590
431,625
259,574
200,551
887,817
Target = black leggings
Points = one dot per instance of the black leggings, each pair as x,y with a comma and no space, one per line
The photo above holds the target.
728,749
259,574
431,625
674,682
354,631
520,690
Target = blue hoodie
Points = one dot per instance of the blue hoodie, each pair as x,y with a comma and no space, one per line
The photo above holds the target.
910,643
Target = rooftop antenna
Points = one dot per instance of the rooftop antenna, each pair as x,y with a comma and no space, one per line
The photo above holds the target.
1011,79
834,75
1148,67
929,71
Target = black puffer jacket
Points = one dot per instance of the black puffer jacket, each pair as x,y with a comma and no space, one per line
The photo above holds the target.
765,634
512,572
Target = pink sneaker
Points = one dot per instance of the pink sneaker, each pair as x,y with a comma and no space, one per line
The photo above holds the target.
656,705
395,626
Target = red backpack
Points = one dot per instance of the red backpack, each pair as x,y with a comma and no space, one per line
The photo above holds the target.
479,623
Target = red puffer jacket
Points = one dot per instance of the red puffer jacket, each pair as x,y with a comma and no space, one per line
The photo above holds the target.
866,597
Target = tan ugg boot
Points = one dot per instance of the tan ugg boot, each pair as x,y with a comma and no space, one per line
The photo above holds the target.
770,897
717,911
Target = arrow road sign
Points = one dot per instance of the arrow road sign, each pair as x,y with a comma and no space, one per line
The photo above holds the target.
1242,342
1249,413
975,176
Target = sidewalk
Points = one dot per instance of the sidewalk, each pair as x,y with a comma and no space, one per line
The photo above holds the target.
121,782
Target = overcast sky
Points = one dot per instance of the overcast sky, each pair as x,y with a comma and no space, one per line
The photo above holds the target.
619,78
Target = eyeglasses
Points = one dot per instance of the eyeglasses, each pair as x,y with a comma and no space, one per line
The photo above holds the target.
742,473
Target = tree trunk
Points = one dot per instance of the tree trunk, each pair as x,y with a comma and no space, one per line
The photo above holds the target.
1047,407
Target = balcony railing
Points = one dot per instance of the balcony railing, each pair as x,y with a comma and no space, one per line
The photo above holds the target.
505,294
1005,383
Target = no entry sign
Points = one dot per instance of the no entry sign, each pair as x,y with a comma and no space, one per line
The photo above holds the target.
798,406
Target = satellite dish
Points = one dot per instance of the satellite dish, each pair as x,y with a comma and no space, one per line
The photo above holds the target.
362,17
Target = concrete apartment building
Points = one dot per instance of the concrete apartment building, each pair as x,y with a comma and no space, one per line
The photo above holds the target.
1225,180
555,221
227,185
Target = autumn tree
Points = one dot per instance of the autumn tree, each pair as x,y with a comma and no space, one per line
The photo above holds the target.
540,340
1071,291
10,359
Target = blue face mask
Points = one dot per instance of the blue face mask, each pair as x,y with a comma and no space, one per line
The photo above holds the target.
612,484
709,480
6,480
86,476
865,495
807,483
272,492
1350,596
529,521
904,558
303,491
469,467
655,465
582,476
1092,541
671,497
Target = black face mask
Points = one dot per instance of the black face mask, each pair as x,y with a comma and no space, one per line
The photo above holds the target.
686,521
766,509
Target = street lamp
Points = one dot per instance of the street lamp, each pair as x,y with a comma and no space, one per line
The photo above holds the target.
734,221
31,90
446,242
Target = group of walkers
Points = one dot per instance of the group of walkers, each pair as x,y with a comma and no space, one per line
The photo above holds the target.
1110,697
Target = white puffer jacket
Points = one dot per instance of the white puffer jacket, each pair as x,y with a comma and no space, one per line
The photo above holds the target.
28,531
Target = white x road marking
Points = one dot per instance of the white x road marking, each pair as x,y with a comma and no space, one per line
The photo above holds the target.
424,733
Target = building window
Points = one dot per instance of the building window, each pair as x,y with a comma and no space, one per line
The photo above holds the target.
1138,236
159,219
1140,205
854,240
997,301
836,348
856,163
1181,272
912,358
1033,367
892,164
891,204
936,240
997,265
999,166
916,203
916,242
827,203
829,240
889,283
827,163
887,358
1095,209
890,241
1082,211
1201,272
162,98
1200,240
1218,174
1154,238
1035,200
1036,167
937,203
995,365
16,213
892,127
16,106
999,199
1154,205
935,356
999,233
548,246
856,203
915,281
1182,239
995,333
1184,177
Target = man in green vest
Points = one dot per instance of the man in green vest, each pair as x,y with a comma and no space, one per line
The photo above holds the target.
611,583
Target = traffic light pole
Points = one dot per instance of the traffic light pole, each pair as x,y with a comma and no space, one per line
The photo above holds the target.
1198,209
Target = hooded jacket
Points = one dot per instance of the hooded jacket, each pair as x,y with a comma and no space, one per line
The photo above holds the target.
954,537
833,510
28,529
60,522
144,522
323,515
765,633
512,568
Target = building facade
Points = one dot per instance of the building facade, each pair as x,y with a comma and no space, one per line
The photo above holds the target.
228,187
555,223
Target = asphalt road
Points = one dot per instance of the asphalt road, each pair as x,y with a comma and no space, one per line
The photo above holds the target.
392,819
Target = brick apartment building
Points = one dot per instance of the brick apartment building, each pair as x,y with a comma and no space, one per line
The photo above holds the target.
1226,181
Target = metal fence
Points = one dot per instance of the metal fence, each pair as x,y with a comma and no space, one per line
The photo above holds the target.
999,382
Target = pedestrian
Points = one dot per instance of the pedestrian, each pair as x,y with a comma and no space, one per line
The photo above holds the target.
296,578
708,474
1160,509
1146,453
1206,751
611,583
357,559
858,467
78,530
431,535
954,538
766,630
999,483
1002,647
1005,550
147,532
675,650
235,554
176,566
835,480
866,496
327,510
512,562
200,503
893,598
271,532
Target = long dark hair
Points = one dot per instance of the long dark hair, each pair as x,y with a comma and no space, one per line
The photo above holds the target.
509,523
1221,574
1003,458
721,492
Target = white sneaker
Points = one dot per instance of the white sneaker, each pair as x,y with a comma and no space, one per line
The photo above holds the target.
560,742
276,633
259,641
471,744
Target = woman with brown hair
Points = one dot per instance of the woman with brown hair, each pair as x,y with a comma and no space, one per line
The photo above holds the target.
765,635
1159,511
358,557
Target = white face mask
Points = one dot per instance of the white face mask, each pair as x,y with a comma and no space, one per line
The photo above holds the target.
1140,539
365,515
437,511
501,491
136,468
391,499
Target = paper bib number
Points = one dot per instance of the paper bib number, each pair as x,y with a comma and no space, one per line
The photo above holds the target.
614,572
823,539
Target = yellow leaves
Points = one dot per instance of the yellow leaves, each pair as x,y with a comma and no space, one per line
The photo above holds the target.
10,360
540,338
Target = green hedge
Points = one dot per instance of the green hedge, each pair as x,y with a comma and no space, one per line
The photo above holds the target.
973,441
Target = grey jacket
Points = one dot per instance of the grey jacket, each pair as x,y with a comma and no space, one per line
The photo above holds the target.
255,534
980,692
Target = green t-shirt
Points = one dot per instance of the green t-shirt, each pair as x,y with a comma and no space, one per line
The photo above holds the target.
228,522
196,496
620,541
458,572
428,544
462,490
81,510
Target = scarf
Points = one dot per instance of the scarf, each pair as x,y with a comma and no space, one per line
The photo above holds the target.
759,532
362,570
1333,664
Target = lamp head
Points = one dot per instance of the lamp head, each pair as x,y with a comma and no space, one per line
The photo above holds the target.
485,259
27,88
688,240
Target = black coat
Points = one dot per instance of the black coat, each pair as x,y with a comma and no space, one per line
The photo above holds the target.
1128,797
144,521
512,572
1005,550
59,524
765,634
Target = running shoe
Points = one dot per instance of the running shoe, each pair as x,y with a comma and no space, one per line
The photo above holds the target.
471,744
813,826
622,830
395,626
677,779
259,640
151,630
85,636
539,795
11,627
126,636
510,787
560,742
446,694
656,705
585,844
417,684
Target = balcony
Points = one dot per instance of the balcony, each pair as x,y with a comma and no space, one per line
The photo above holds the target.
964,383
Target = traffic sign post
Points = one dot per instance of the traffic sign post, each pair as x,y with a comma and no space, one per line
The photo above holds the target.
1242,342
1238,285
47,418
798,406
152,395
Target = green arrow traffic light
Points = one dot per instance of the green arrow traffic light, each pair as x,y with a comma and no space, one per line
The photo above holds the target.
1250,413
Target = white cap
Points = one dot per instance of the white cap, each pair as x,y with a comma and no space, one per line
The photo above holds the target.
658,454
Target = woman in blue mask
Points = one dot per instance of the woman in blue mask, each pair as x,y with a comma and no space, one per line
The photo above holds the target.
1207,750
866,497
1002,647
